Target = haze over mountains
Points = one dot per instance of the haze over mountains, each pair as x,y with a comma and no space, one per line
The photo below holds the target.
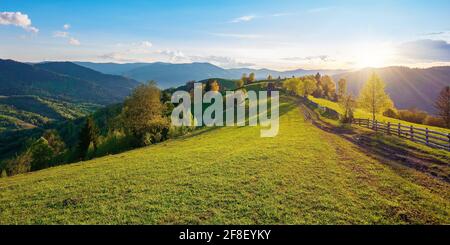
173,75
106,83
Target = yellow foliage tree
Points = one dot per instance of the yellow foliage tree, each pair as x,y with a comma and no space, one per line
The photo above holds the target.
373,98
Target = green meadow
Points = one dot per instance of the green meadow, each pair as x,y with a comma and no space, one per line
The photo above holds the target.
230,175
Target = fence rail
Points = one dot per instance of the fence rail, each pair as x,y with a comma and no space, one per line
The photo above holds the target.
420,135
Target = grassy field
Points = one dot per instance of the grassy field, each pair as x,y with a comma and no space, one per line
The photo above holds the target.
363,114
230,175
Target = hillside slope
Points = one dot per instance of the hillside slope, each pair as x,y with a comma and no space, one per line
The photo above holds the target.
230,176
407,87
62,80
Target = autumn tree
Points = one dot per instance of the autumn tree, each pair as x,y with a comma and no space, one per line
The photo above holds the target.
212,86
143,115
348,104
251,77
244,78
269,77
293,85
239,83
309,86
373,98
342,88
442,105
328,86
215,86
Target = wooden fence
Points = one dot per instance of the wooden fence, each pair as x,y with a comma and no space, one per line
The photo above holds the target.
421,135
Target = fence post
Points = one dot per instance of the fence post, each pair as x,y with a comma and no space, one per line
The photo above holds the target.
399,130
426,135
389,128
411,132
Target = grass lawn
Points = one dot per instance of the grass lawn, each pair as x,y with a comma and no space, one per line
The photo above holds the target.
362,114
230,175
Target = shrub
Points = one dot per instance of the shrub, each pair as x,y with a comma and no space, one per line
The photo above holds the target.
412,115
434,121
390,113
3,174
19,164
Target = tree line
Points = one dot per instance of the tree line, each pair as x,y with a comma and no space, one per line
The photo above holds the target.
144,119
372,98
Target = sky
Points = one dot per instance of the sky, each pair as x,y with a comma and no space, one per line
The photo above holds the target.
278,34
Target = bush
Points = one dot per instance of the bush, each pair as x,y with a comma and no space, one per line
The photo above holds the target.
3,174
412,115
19,164
434,121
390,113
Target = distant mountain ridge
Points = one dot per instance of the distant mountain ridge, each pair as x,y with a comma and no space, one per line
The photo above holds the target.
408,87
63,80
173,75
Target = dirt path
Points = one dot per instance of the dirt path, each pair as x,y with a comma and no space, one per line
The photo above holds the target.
368,143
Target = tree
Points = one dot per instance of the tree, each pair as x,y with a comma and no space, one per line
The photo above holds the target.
251,77
373,98
41,154
317,77
88,135
309,86
54,141
293,85
3,174
342,88
244,78
442,105
215,86
269,77
329,87
143,115
212,86
239,83
19,164
347,103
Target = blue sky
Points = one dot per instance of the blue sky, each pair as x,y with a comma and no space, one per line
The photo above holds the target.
279,34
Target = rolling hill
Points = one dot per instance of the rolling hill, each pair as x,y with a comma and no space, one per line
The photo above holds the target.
62,80
408,88
230,175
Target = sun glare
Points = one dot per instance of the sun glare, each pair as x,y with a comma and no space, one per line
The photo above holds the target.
372,55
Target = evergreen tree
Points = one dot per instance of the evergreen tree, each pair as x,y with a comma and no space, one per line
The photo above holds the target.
88,135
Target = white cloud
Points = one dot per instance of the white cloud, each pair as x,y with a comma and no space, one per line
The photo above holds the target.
73,41
323,58
146,44
222,61
66,35
17,19
243,19
425,50
173,55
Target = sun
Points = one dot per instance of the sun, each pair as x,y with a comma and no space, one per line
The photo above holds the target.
372,55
